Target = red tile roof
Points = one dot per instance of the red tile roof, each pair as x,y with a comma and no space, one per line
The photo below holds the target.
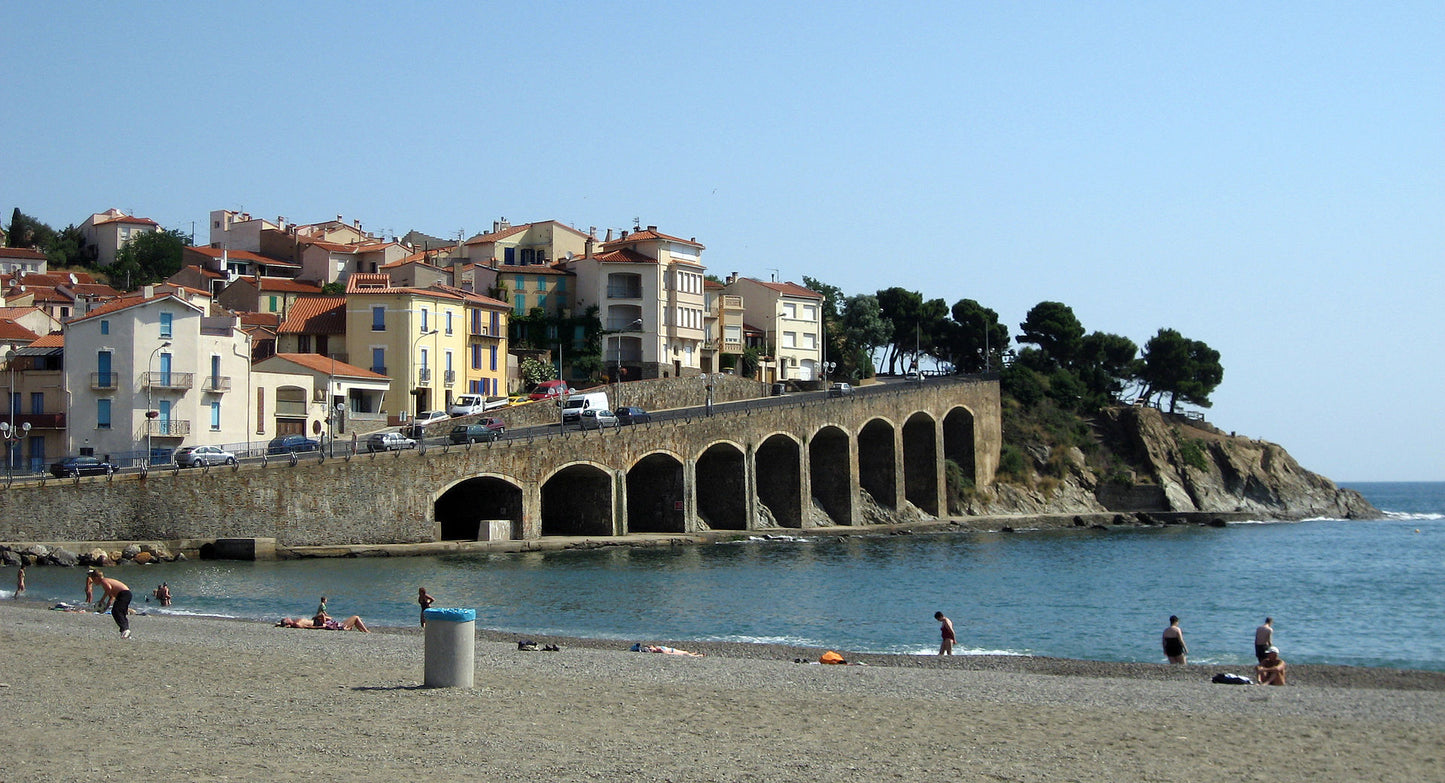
325,364
52,340
494,236
652,234
29,254
242,255
126,302
269,320
788,289
128,219
9,330
285,285
625,255
315,315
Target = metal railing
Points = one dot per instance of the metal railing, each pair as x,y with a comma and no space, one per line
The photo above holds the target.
218,383
167,428
449,378
167,380
103,380
423,375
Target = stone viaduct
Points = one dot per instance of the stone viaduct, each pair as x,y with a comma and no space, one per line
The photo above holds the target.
788,462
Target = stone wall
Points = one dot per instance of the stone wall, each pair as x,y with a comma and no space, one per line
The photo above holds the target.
390,497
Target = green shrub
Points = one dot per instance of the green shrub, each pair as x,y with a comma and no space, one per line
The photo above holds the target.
1192,452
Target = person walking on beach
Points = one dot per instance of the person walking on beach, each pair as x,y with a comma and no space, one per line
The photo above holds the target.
425,601
1174,648
19,583
116,595
945,626
1263,639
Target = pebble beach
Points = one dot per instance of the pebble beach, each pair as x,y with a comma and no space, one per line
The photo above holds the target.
214,700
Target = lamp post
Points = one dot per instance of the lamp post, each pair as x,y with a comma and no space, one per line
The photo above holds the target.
418,339
150,404
618,394
8,430
828,368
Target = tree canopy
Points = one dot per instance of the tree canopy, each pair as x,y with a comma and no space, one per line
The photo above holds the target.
1185,370
148,258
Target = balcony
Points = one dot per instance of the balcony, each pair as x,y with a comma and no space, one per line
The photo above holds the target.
102,380
166,428
423,376
217,383
379,370
624,292
167,380
730,302
449,378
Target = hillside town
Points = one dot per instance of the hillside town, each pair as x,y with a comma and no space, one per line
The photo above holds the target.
274,329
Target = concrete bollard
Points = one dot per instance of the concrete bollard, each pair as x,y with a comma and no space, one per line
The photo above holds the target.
450,648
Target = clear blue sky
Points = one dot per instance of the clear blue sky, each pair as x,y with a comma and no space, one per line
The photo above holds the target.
1267,178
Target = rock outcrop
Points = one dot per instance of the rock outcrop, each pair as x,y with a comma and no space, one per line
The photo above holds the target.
1167,463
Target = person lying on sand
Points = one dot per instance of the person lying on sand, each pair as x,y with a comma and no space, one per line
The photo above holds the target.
324,622
664,649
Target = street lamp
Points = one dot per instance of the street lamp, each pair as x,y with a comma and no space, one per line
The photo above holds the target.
150,405
8,430
828,368
618,345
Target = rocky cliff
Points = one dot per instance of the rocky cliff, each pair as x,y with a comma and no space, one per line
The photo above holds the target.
1144,460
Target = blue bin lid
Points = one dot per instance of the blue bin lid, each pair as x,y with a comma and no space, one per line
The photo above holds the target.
452,615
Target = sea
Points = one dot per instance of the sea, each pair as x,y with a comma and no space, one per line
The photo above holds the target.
1361,593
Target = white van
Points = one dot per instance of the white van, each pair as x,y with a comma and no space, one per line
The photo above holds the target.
580,401
467,404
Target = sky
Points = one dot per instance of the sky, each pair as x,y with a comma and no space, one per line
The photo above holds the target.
1268,178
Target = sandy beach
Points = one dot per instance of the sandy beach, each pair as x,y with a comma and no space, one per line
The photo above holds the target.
213,700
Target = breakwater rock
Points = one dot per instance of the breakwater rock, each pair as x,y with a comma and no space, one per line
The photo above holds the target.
1146,460
43,554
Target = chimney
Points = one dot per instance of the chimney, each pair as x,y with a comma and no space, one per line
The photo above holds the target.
149,291
623,235
652,229
587,247
609,236
591,231
339,220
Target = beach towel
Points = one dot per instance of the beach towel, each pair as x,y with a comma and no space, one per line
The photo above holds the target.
1225,678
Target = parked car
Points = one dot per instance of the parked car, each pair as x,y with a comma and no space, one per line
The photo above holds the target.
388,441
467,404
579,402
547,389
473,433
81,466
417,427
840,390
632,415
197,456
291,444
597,418
494,424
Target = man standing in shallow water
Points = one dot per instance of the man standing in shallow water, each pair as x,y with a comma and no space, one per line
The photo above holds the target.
116,595
1174,648
1263,639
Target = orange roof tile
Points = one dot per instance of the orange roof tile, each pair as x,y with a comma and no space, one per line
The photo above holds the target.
52,340
128,219
788,289
315,315
319,363
29,254
285,285
242,255
9,330
270,320
652,234
126,302
625,255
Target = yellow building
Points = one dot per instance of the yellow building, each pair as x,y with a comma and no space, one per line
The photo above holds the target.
434,343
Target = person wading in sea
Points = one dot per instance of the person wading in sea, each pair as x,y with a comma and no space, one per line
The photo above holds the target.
945,627
1174,647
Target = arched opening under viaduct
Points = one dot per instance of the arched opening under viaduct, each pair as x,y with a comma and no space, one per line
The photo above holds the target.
461,510
959,442
722,488
655,495
780,478
829,472
920,462
876,473
577,501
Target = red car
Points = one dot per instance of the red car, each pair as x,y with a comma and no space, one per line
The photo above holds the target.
547,389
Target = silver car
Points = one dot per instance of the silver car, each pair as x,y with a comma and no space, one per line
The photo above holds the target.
389,441
197,456
597,418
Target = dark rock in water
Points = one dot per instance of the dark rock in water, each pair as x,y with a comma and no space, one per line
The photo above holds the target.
1119,519
1006,529
130,551
181,557
9,558
1097,527
37,551
1078,522
1217,522
1144,519
64,557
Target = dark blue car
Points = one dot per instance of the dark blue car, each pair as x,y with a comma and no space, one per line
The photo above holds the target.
632,415
291,444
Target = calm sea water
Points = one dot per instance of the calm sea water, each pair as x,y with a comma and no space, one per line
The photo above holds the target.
1360,593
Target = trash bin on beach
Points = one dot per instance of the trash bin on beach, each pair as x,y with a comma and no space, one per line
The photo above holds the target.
450,648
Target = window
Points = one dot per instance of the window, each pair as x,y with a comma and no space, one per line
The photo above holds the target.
166,325
449,322
493,350
560,285
37,402
810,312
103,376
102,414
215,380
423,358
260,410
521,303
496,324
303,343
275,304
104,327
541,283
378,318
790,310
790,339
476,356
378,361
216,416
425,320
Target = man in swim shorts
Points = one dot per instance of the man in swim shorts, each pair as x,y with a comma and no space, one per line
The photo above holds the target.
1174,648
1263,638
116,595
945,627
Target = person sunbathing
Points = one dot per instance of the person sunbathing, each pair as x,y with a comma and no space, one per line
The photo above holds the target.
324,622
664,649
1271,670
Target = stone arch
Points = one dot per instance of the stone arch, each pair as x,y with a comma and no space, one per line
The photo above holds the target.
960,440
655,495
877,471
830,473
779,473
577,501
462,508
722,487
920,462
